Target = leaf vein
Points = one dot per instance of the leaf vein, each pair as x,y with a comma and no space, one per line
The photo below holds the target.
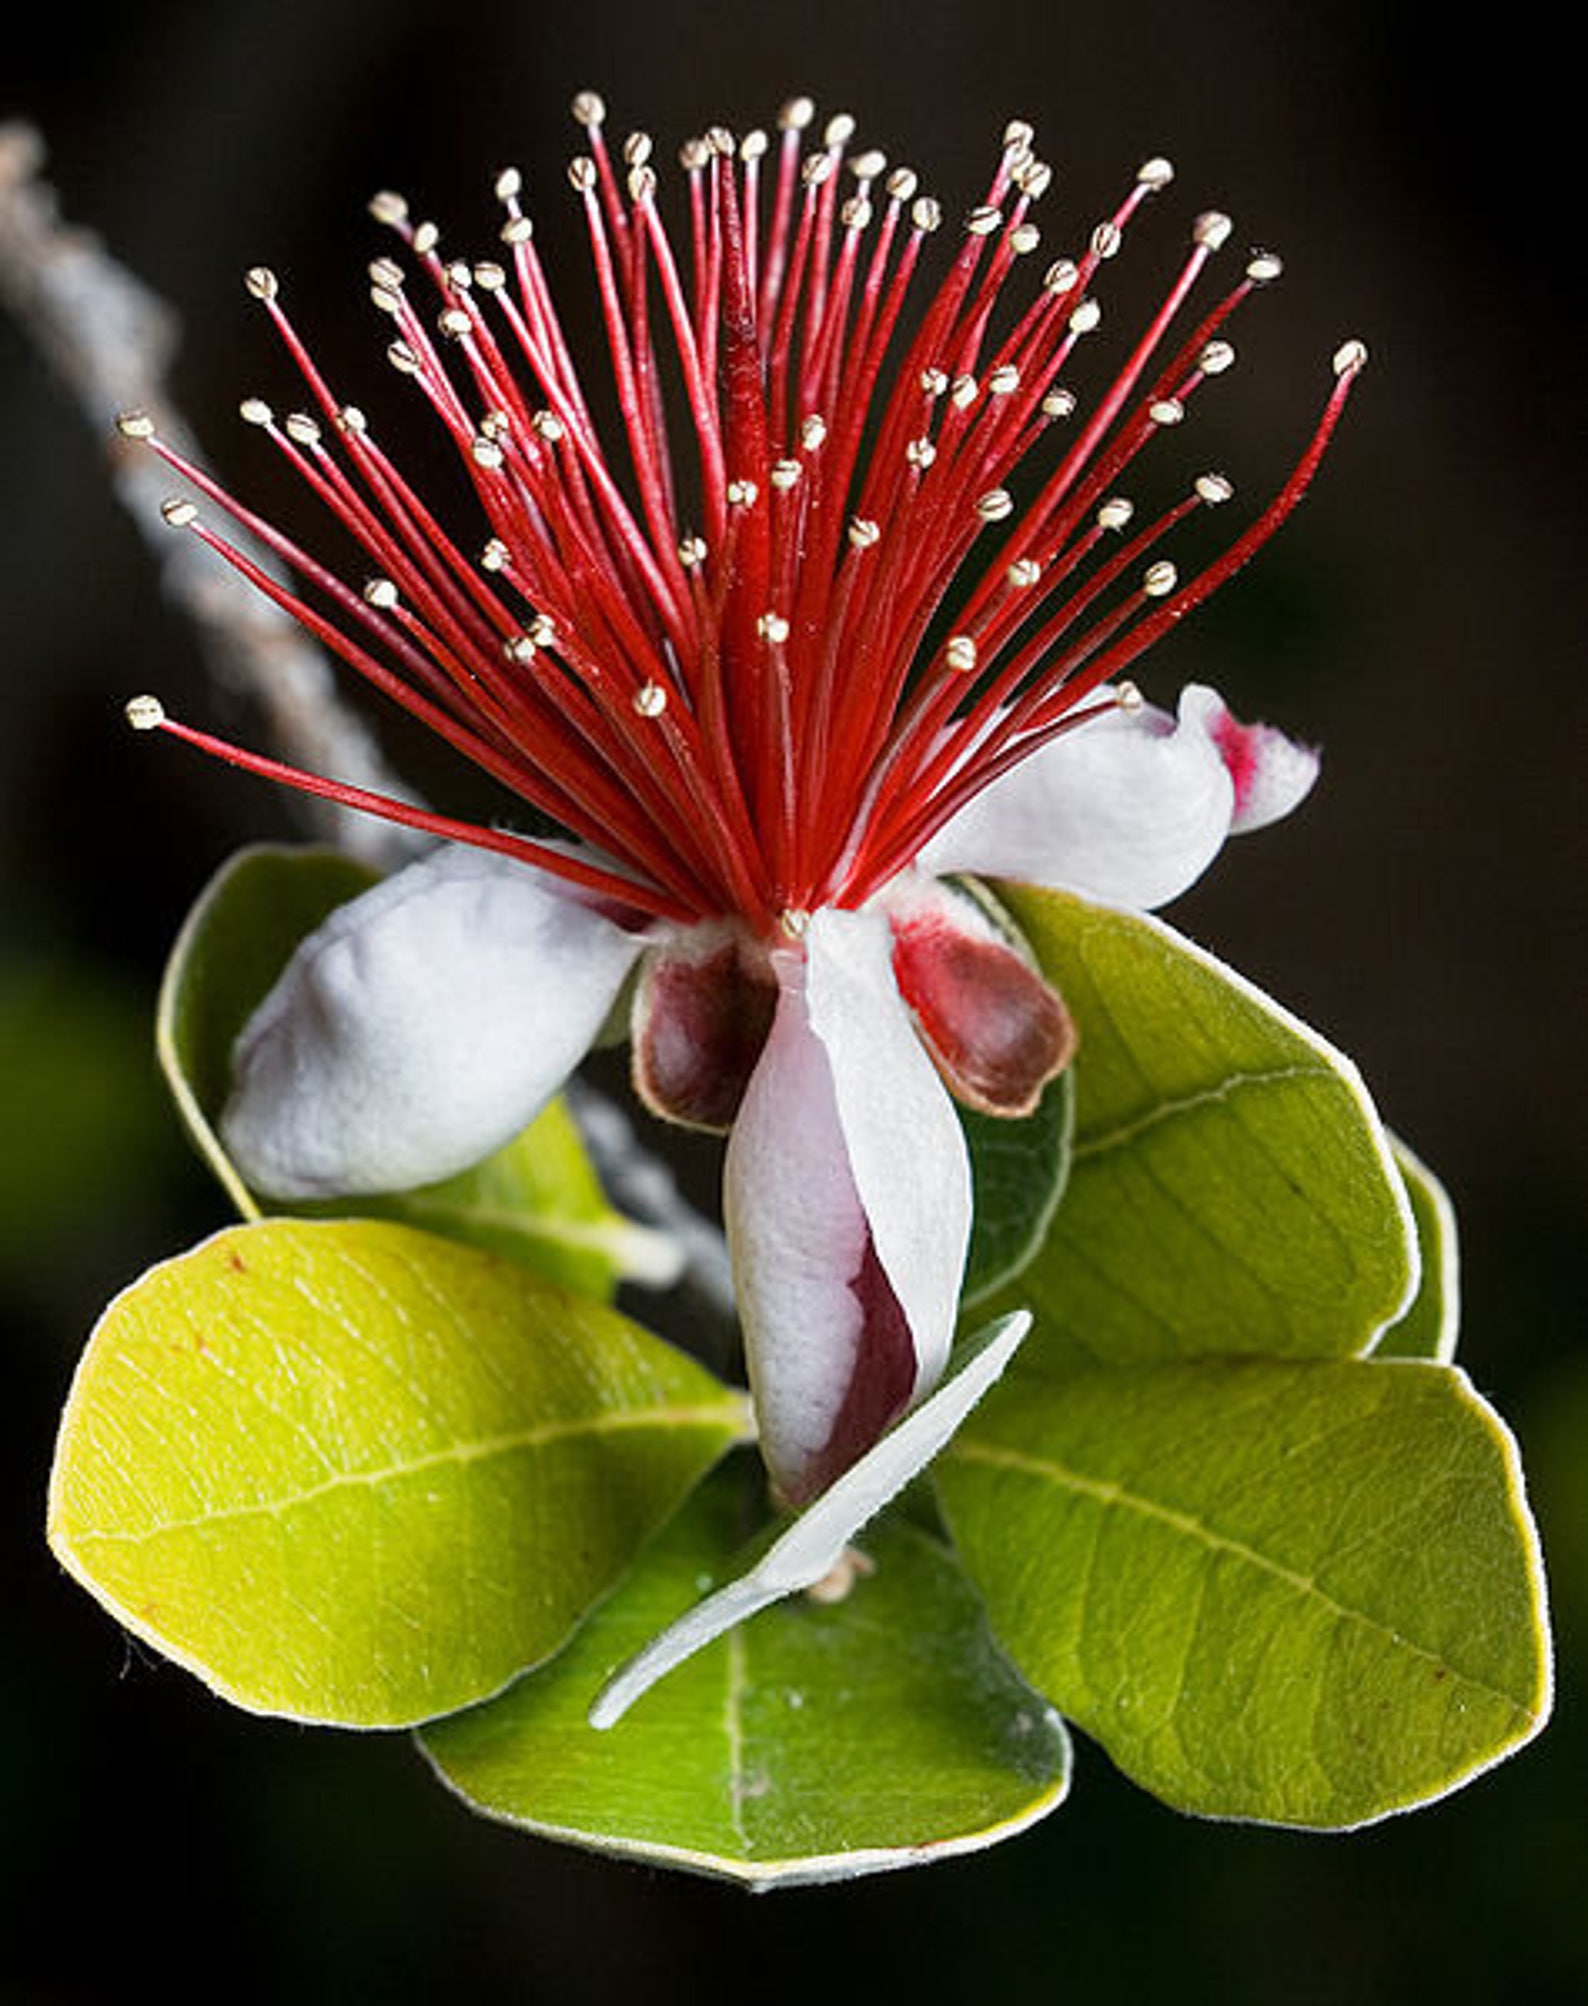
1113,1495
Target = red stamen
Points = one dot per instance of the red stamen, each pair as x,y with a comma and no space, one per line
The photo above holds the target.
769,716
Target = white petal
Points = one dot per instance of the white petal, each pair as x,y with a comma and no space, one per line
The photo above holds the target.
815,1543
1129,809
420,1028
1271,773
846,1147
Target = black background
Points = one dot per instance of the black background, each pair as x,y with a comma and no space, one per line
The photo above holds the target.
1421,619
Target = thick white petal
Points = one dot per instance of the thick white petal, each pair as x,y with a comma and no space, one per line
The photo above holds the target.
1130,809
846,1145
420,1028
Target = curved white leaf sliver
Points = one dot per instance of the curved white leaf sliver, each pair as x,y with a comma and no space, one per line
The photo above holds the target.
815,1542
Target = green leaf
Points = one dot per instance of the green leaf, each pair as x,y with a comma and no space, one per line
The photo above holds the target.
1306,1593
1432,1320
1018,1173
1231,1189
814,1743
348,1472
537,1200
233,944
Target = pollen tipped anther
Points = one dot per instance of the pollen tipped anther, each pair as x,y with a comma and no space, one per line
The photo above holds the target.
1128,697
819,423
145,713
1349,357
178,511
1263,267
1211,230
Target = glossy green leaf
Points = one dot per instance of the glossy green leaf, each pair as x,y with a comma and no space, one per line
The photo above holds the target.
1231,1189
538,1200
349,1472
1018,1173
816,1742
1432,1320
1305,1593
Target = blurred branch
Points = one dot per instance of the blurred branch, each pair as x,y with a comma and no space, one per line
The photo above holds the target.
111,343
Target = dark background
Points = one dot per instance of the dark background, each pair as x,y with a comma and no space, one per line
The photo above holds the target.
1421,619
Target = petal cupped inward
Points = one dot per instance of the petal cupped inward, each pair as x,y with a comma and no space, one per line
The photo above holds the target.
996,1029
847,1199
420,1028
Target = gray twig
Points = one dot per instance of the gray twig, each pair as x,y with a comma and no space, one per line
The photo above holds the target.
111,342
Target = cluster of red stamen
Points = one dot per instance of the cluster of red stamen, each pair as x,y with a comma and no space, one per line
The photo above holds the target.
752,665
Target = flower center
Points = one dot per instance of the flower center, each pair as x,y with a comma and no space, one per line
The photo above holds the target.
772,705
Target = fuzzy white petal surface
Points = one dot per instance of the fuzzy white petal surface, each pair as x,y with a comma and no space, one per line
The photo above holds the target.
420,1028
1272,774
1129,808
906,1148
845,1134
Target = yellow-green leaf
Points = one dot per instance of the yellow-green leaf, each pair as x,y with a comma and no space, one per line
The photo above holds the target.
1231,1188
350,1472
1431,1321
1307,1593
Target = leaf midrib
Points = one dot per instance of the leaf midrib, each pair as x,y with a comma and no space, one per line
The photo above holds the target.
1109,1493
454,1455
